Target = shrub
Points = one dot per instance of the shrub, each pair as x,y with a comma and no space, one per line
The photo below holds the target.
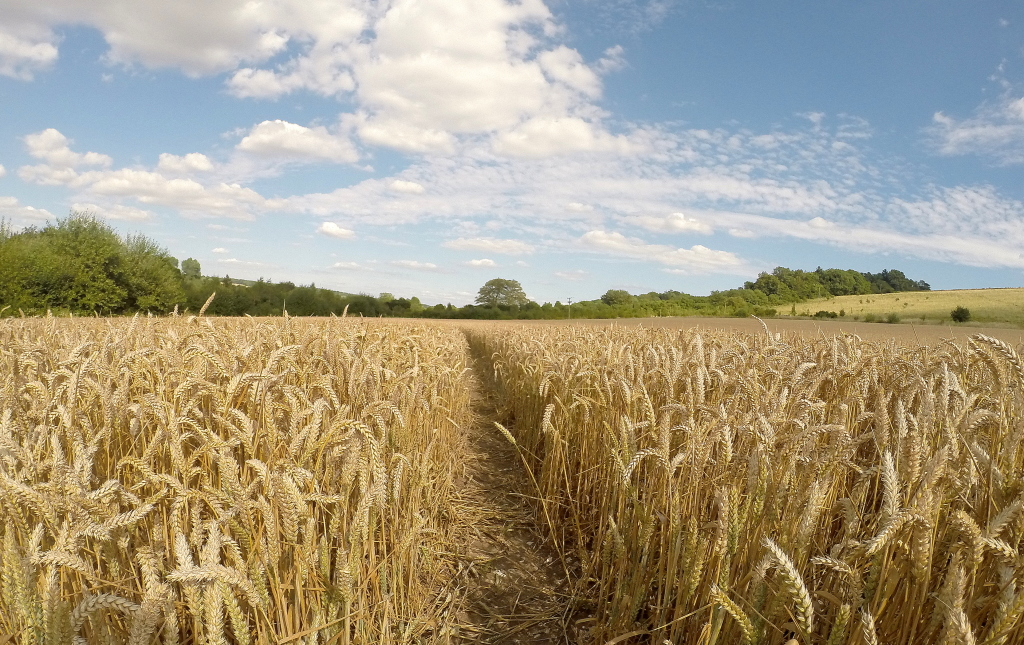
960,314
892,318
826,314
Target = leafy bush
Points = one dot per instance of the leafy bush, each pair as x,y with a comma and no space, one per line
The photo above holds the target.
960,314
81,265
826,314
892,318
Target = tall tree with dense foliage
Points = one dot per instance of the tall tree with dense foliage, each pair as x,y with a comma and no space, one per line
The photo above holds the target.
500,292
81,265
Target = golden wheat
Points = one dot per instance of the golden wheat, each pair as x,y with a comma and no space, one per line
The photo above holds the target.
228,481
795,483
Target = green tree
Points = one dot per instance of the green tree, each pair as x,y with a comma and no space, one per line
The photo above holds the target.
960,314
498,292
82,265
616,297
190,268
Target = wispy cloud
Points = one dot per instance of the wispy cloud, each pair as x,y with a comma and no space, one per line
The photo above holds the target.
572,276
490,245
694,260
996,131
415,265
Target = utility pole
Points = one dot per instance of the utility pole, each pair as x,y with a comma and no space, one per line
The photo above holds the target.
570,307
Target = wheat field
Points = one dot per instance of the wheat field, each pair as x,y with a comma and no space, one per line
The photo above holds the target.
195,480
725,488
238,481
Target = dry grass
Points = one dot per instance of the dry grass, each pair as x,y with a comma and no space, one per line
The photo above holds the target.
987,306
185,481
725,488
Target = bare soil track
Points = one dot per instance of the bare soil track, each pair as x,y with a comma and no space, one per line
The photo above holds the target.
516,584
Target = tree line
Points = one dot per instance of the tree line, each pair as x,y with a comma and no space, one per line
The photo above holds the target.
80,265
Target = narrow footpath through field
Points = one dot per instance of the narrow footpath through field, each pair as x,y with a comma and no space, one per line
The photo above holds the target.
516,584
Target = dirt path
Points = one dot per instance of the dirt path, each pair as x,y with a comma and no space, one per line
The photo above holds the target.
516,586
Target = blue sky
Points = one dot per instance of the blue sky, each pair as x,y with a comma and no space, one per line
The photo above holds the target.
422,147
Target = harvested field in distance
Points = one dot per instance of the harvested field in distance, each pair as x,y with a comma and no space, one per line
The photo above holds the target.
196,480
905,332
987,306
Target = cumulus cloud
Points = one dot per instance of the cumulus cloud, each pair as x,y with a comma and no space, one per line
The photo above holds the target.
402,186
331,229
3,171
189,164
53,147
219,249
120,212
24,55
490,245
19,215
481,263
996,130
423,75
696,259
62,167
289,141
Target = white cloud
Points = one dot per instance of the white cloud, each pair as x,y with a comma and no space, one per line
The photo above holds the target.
566,66
3,171
189,196
331,229
572,276
18,215
996,130
24,55
219,249
481,263
349,266
115,212
696,259
52,147
402,186
284,140
490,245
189,164
423,75
578,207
413,264
673,223
241,263
559,135
612,61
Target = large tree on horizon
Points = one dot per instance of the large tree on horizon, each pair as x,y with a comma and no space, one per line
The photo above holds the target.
499,292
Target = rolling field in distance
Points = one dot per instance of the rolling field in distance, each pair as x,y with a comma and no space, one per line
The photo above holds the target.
987,306
194,480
